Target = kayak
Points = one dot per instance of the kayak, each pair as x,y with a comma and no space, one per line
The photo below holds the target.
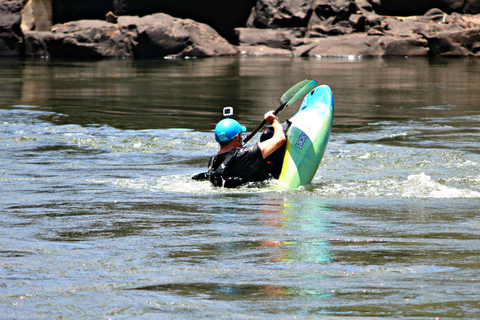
307,138
307,132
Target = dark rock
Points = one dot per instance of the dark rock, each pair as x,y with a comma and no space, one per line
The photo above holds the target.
363,45
419,7
223,15
153,36
343,17
471,6
275,27
434,12
36,43
476,48
358,22
403,46
280,14
161,35
410,36
376,31
352,27
425,26
365,8
11,36
111,17
263,50
89,39
274,38
455,43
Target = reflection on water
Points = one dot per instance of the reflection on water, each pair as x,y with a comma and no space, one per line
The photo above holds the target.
192,93
100,218
306,223
216,291
289,231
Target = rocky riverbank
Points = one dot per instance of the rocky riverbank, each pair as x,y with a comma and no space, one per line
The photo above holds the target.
292,28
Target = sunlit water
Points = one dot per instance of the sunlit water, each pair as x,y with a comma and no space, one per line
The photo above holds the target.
100,219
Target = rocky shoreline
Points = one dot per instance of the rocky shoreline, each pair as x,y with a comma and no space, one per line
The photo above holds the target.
302,28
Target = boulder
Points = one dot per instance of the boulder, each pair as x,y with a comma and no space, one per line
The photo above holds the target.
362,45
161,35
281,38
454,43
83,39
447,35
153,36
36,43
222,15
342,17
11,36
263,50
274,27
280,14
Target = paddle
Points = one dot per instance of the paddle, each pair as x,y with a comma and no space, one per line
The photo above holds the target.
290,96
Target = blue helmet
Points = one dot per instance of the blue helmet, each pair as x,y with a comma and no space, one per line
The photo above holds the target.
227,129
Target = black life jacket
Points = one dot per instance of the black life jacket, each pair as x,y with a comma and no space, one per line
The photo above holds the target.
215,176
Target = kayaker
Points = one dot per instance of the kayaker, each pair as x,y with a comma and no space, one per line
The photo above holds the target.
236,164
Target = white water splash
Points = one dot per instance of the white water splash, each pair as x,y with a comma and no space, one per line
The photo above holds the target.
422,185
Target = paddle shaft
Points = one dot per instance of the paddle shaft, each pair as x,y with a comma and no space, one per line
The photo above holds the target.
264,122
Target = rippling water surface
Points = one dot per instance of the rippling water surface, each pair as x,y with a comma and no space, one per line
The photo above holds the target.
100,219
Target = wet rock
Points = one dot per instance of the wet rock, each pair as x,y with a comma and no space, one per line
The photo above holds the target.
152,36
11,37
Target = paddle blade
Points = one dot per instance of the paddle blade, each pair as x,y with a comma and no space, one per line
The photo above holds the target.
290,96
298,90
200,176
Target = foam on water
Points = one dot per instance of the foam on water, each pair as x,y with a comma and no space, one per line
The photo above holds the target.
164,160
422,185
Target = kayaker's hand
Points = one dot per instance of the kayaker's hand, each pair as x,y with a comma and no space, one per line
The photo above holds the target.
270,117
270,145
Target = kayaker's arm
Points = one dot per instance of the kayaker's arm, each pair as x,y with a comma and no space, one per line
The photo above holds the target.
269,146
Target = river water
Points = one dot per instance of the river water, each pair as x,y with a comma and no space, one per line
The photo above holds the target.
100,219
